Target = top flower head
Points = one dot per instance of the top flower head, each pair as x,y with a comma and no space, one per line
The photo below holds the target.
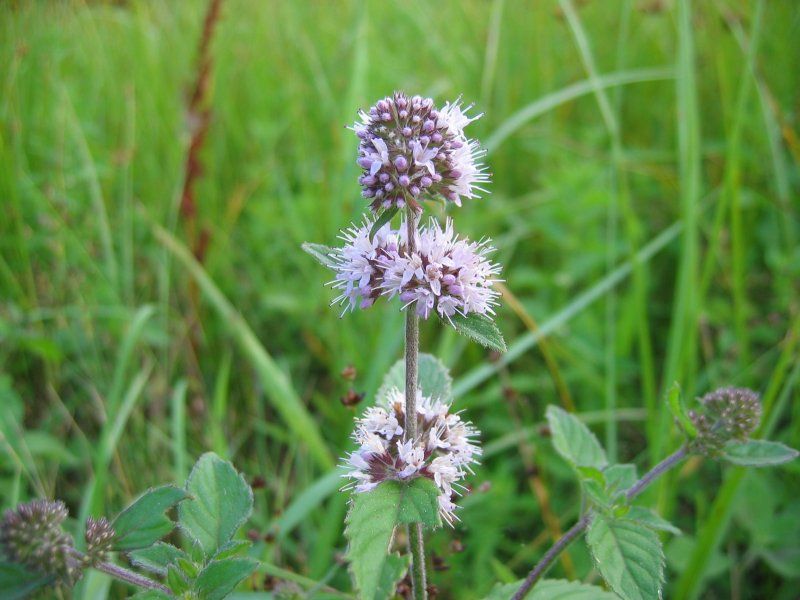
408,148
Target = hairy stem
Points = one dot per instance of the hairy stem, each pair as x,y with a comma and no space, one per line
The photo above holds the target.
415,540
123,574
637,488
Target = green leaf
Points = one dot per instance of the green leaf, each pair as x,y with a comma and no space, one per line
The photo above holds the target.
143,523
385,217
758,453
433,379
156,558
220,577
232,548
176,580
678,410
647,517
320,252
620,477
150,595
16,582
221,501
552,589
629,557
370,528
573,440
593,482
479,328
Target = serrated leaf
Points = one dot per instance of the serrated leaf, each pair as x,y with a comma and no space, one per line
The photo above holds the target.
647,517
385,217
629,556
678,410
321,253
176,580
143,523
479,328
16,582
552,589
221,501
620,477
593,482
220,577
433,378
156,558
232,548
150,595
573,440
758,453
371,522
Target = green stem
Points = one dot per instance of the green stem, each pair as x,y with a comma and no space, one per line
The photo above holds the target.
415,539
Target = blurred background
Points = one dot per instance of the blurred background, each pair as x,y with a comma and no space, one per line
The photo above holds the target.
162,162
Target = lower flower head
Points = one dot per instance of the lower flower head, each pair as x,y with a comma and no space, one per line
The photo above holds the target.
443,450
444,274
31,535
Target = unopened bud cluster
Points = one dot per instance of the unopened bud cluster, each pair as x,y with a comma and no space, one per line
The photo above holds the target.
443,450
444,274
726,414
99,537
409,148
31,535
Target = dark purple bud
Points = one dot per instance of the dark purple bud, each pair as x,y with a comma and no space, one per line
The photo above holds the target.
434,114
362,133
428,126
449,279
437,138
436,177
383,105
407,131
389,187
400,203
414,190
368,180
368,193
454,174
401,164
407,296
401,101
386,116
415,119
403,114
384,177
456,144
426,182
424,140
364,162
455,290
379,194
404,180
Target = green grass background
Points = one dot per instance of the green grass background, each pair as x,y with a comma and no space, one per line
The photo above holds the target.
644,204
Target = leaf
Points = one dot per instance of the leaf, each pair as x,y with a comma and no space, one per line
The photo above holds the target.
322,253
650,519
629,557
552,589
176,580
150,595
385,217
232,548
370,528
16,582
220,577
433,379
221,501
573,440
143,523
593,482
620,477
156,558
678,410
758,453
479,328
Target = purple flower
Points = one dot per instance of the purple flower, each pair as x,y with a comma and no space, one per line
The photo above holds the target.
443,451
408,138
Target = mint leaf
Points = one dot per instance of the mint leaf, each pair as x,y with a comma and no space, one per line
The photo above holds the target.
573,440
620,477
370,526
17,582
143,523
628,556
321,253
758,453
479,328
433,379
552,589
648,518
220,577
221,501
385,217
156,558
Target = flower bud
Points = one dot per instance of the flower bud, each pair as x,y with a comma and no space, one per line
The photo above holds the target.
99,536
725,414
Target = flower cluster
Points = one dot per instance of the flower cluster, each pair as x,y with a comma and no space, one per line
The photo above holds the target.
408,148
443,450
444,274
99,536
31,535
726,414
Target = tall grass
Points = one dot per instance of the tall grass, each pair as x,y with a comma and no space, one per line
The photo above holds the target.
644,204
